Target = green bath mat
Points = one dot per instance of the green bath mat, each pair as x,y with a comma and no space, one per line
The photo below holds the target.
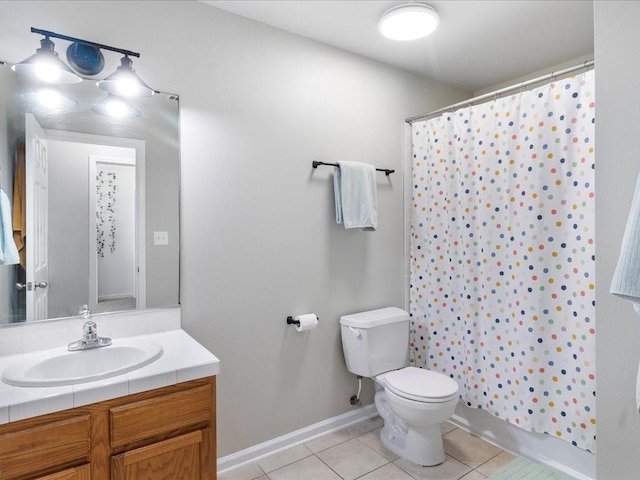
524,469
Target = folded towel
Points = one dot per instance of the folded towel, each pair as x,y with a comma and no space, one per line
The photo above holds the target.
626,278
8,251
354,186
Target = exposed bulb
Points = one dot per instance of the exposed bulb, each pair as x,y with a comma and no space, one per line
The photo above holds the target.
127,87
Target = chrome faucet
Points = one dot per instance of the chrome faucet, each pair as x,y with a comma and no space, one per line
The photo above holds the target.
84,311
90,338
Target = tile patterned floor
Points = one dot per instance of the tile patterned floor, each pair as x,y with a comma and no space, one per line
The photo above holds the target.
357,453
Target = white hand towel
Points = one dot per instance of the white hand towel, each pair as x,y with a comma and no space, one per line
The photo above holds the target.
8,251
626,278
356,196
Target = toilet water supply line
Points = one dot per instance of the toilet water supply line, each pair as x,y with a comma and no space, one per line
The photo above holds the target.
355,399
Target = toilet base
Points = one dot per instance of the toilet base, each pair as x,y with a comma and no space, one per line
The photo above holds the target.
422,448
421,445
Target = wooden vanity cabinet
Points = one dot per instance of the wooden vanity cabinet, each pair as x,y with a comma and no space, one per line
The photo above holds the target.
78,473
163,434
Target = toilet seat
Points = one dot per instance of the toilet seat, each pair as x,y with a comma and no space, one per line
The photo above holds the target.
420,385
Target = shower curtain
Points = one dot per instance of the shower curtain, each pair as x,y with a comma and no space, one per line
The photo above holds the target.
502,294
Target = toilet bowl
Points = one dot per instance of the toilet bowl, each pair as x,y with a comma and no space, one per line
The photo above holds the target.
413,404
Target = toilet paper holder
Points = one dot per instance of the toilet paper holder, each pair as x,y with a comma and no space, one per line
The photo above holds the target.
292,321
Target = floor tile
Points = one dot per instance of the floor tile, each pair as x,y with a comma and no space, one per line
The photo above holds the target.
468,448
450,469
365,426
285,457
328,440
372,439
308,468
249,471
387,472
447,427
490,467
474,475
352,459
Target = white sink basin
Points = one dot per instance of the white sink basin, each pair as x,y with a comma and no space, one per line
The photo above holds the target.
61,367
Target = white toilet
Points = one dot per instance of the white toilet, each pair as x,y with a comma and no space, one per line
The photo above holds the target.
413,402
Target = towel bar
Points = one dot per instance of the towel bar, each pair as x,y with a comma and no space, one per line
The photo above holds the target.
316,164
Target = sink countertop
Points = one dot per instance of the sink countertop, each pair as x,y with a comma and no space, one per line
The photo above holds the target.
183,359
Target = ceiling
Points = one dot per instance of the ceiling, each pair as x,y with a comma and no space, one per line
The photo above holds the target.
478,44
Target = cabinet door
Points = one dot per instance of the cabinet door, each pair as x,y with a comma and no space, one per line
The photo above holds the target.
46,447
177,457
78,473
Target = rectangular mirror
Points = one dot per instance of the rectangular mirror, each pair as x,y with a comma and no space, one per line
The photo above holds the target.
99,223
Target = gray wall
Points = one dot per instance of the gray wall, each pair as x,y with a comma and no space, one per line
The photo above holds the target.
69,233
259,241
618,145
259,235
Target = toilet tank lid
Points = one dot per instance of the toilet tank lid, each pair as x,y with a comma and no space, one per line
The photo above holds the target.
374,318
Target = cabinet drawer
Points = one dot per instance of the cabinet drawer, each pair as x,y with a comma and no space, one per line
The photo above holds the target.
156,416
45,446
177,457
78,473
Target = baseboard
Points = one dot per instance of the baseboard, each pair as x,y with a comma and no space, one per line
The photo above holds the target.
297,437
555,453
545,449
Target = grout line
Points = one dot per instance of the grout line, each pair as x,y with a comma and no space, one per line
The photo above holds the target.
358,438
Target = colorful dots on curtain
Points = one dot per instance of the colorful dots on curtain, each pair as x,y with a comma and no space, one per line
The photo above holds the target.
503,256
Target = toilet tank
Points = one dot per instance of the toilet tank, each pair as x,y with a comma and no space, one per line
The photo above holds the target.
375,341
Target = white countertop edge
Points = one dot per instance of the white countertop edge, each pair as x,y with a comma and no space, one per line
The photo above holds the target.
183,359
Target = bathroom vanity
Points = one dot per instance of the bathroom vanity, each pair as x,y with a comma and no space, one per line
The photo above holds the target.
155,422
165,433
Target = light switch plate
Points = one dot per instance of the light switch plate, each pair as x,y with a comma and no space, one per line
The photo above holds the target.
161,238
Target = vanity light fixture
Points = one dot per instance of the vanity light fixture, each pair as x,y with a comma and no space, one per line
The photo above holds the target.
86,58
48,101
409,21
125,81
115,107
46,65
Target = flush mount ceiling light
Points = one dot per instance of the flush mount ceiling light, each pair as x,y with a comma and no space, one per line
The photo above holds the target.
85,58
409,21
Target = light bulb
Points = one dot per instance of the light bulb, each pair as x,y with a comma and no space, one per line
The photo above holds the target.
47,72
409,22
115,107
126,86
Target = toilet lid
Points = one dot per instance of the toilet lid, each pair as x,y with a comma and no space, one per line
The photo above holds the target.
420,384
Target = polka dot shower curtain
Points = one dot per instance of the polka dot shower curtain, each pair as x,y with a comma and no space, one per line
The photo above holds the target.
503,256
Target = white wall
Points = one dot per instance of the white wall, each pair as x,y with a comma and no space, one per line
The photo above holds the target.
116,269
617,165
259,241
7,276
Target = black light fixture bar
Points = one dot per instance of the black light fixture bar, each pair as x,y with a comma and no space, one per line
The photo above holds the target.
47,33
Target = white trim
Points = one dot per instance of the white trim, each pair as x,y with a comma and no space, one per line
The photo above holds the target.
545,449
297,437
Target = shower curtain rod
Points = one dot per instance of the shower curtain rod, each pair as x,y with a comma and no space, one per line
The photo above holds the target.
496,93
